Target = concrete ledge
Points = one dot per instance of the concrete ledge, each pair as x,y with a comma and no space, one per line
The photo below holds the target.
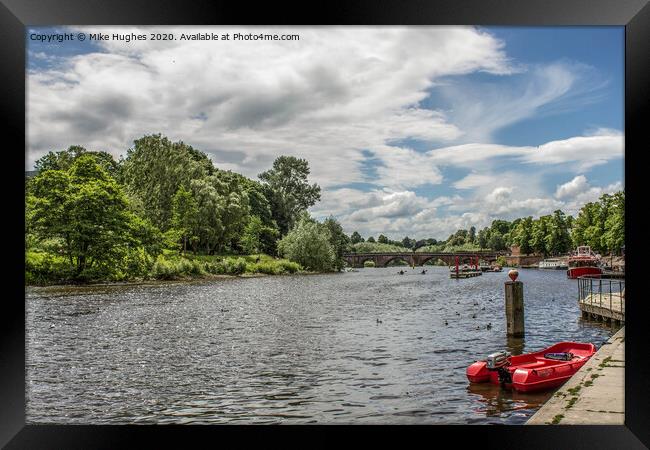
595,395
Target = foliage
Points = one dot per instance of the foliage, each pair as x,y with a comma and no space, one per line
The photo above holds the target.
368,263
256,236
374,247
338,239
64,159
601,225
289,191
355,238
86,210
308,244
154,170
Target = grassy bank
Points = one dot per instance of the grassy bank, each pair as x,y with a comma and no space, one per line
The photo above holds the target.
44,268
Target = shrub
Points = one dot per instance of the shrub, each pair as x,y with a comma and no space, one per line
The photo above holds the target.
309,245
42,268
289,266
163,269
368,263
234,266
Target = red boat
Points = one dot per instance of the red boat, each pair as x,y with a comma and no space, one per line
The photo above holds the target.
584,262
537,371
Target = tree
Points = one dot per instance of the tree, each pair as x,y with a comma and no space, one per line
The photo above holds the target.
255,234
185,216
308,244
472,235
289,191
408,242
539,242
371,239
614,237
523,235
500,226
355,238
483,237
339,240
153,171
235,209
86,209
382,239
496,241
222,213
64,159
558,239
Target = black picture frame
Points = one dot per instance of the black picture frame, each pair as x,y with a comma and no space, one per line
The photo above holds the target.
15,15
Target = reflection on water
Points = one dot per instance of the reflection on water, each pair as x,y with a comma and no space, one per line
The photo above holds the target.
360,347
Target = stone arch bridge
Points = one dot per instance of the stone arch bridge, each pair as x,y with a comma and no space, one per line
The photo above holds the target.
419,258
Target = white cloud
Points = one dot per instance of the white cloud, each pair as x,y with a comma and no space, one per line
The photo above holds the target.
474,180
572,188
584,151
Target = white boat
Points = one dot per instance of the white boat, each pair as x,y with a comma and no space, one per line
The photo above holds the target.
553,263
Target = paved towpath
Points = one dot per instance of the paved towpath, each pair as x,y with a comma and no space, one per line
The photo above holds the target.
595,395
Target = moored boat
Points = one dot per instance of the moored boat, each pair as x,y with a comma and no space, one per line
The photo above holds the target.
553,263
536,371
584,262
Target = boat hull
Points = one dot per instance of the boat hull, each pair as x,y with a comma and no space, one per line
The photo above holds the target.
575,272
533,372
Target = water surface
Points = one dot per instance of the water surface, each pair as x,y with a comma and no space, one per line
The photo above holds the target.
289,349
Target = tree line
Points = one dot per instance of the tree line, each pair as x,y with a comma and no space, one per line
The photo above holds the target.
91,217
600,224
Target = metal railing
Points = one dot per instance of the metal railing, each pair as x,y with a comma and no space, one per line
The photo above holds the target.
606,293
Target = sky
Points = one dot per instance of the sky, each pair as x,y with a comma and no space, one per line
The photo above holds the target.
409,131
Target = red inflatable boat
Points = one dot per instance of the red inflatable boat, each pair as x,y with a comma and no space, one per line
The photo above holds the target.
545,369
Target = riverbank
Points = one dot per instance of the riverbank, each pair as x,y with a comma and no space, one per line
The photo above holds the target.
595,395
45,269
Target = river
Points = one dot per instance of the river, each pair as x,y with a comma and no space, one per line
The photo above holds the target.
364,347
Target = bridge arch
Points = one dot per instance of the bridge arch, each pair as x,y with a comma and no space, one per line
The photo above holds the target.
404,258
434,258
362,260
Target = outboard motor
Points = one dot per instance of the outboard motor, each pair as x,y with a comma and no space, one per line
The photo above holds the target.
500,361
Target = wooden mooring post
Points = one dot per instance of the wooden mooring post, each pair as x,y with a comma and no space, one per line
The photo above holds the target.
514,306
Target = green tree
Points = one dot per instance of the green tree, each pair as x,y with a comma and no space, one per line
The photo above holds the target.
558,239
289,190
496,241
85,208
523,235
253,237
153,171
614,237
308,244
472,235
185,216
338,239
500,226
371,239
539,241
355,238
64,159
484,237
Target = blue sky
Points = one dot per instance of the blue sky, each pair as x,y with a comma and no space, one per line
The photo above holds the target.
409,131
